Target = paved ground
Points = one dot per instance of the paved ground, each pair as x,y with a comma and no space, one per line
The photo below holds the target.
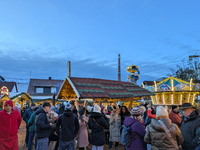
22,134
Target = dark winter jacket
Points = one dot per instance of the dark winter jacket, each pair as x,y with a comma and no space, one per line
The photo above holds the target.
157,137
75,112
106,118
42,126
69,126
31,123
97,135
189,127
137,133
27,115
62,108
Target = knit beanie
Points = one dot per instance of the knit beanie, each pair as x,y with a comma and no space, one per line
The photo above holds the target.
8,102
33,104
135,111
97,108
68,106
161,111
174,106
52,108
89,108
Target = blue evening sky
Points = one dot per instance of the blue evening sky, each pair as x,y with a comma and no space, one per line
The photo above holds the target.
42,35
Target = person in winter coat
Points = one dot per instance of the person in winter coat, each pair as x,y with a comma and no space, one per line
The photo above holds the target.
107,118
10,121
156,135
97,123
190,124
82,133
175,116
69,128
124,113
17,107
42,127
115,125
137,130
31,124
26,118
151,113
74,110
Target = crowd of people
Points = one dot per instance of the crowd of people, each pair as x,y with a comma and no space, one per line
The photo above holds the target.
140,128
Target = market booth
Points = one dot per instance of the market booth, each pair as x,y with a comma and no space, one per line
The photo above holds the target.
173,91
100,90
23,99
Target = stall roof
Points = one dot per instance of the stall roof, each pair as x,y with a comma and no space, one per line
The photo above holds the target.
91,88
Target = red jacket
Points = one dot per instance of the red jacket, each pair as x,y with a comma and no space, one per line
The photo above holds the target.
9,124
175,118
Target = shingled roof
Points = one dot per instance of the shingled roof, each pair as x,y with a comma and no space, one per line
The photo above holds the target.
43,83
9,85
100,88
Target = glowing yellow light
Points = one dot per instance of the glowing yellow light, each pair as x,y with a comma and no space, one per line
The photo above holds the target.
156,99
189,98
193,99
163,99
172,84
155,86
152,100
172,97
181,100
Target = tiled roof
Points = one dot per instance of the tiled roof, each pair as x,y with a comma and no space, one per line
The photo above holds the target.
148,83
43,83
100,88
9,85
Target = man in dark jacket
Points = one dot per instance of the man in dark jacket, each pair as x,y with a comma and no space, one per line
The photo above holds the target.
190,124
97,123
69,128
26,118
74,110
42,127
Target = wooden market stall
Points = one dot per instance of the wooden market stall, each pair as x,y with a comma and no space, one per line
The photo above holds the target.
100,90
173,91
23,99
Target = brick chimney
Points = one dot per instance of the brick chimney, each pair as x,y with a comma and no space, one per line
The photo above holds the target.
69,69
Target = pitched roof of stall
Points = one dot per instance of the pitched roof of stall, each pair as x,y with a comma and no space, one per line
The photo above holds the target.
101,88
9,85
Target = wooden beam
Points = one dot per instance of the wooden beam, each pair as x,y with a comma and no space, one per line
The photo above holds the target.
85,104
130,105
77,106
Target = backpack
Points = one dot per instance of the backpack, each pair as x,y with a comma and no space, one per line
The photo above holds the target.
126,136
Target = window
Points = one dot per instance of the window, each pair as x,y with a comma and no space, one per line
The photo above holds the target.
47,90
38,90
53,89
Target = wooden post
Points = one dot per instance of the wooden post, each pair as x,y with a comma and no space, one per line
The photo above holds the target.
130,105
77,106
85,104
115,103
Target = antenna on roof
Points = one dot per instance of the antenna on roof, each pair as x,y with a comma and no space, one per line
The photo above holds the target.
119,71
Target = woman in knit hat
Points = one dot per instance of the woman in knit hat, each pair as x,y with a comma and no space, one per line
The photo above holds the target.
97,123
82,133
156,135
115,125
137,130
